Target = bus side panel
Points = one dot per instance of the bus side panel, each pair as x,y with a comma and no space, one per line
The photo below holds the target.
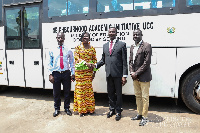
48,40
172,30
186,58
15,67
99,83
33,68
163,72
3,71
48,85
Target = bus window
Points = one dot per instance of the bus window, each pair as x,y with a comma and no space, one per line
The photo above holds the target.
147,4
57,8
13,28
78,7
67,7
192,2
31,27
114,5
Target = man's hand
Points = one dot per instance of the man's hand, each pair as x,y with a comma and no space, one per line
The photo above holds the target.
124,81
90,66
73,78
134,76
51,78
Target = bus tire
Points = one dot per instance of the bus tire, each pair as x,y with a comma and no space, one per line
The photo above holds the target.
3,87
190,91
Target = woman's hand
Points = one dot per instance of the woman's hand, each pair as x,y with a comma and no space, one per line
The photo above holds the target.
90,66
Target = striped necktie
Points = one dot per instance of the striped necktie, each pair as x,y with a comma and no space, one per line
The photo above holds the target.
110,49
61,58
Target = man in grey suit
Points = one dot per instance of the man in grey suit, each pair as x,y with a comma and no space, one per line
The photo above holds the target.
139,67
115,59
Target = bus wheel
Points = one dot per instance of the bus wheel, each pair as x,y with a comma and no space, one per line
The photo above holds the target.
3,87
190,91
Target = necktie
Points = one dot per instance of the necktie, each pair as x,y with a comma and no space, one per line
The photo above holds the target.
61,58
110,49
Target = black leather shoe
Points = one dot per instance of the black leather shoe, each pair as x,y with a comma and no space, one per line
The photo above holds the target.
137,117
143,121
110,113
118,116
56,113
91,113
82,115
68,112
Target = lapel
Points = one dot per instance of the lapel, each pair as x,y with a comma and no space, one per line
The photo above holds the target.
114,47
131,52
139,50
107,48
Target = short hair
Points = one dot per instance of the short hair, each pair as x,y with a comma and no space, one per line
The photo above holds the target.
114,28
62,34
139,30
82,35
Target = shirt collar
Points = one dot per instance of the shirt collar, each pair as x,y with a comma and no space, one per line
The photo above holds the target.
59,46
138,45
114,41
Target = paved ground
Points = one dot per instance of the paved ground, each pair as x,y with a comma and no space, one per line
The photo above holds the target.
30,110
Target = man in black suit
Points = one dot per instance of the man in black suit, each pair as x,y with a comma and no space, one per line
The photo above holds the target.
115,59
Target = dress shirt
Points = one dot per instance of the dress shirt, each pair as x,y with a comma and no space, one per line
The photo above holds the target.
114,41
54,60
136,47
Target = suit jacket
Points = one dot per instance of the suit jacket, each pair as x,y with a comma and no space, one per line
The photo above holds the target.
116,63
141,64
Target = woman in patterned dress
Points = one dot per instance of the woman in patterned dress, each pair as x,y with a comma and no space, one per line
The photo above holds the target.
85,58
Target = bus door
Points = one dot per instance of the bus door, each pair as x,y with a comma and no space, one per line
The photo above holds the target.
23,45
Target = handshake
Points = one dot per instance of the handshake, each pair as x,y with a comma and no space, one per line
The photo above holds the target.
90,65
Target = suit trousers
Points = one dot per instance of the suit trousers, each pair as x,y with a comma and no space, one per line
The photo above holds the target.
114,88
65,79
141,90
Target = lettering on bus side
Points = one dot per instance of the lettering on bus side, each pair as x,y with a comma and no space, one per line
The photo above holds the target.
99,32
147,25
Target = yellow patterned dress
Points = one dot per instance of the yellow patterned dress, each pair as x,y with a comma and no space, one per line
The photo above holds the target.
84,101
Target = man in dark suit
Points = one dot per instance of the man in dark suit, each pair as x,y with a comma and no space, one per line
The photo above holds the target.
139,66
115,59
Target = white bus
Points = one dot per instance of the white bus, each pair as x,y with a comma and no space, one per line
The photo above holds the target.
28,29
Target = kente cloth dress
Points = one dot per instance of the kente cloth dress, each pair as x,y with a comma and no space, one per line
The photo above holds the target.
84,101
